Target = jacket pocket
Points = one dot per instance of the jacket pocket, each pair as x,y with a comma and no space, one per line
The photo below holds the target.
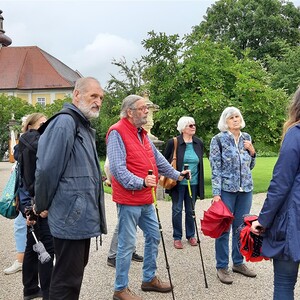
279,227
77,210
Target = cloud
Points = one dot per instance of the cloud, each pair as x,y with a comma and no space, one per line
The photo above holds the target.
95,58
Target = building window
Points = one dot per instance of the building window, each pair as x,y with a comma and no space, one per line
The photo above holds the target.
41,101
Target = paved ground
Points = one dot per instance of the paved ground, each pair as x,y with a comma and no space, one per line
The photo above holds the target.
185,265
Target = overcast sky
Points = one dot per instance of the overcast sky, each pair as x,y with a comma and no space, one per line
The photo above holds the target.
87,35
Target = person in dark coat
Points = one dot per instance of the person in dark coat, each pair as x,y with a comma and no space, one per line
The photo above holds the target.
279,217
189,151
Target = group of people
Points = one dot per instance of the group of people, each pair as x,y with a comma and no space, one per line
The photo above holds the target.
69,197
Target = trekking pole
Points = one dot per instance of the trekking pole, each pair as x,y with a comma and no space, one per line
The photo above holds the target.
150,172
186,167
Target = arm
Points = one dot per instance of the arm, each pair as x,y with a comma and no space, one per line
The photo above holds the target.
54,149
117,161
284,175
215,159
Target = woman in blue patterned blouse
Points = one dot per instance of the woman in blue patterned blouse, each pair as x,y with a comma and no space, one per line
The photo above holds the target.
232,157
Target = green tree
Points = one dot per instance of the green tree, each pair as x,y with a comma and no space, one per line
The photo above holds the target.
286,71
264,26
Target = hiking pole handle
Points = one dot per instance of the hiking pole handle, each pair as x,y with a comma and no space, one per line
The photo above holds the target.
186,167
150,172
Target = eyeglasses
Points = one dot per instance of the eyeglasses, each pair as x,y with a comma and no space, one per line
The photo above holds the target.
192,125
142,108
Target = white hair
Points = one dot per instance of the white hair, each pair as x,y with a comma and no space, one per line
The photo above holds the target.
227,113
183,122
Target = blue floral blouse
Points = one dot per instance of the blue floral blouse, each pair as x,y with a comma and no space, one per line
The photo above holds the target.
231,166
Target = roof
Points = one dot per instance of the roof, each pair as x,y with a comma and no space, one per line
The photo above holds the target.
26,68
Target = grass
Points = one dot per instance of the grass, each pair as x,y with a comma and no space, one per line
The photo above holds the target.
262,174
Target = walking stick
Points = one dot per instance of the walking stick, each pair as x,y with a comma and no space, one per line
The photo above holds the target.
150,172
186,166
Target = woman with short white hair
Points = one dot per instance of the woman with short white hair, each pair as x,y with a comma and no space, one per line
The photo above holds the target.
232,157
189,151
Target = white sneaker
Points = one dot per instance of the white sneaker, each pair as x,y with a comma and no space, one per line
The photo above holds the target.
14,268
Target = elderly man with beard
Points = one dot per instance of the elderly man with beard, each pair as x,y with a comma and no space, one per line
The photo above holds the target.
68,184
131,155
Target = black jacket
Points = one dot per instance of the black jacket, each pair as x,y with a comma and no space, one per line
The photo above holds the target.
198,147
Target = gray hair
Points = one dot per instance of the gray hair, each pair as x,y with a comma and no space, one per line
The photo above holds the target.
183,122
227,113
82,83
128,103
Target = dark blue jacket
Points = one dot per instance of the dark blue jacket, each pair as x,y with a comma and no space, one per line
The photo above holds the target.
68,179
280,214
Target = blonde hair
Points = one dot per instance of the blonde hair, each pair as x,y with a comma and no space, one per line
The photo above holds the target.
31,120
293,113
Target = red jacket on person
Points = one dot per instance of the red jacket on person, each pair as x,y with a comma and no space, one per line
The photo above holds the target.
139,159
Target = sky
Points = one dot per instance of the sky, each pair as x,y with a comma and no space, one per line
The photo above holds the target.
87,35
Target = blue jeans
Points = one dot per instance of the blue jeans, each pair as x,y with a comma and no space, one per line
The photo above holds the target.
20,232
129,218
239,204
285,278
177,205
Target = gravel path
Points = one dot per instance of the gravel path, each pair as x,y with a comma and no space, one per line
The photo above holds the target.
185,265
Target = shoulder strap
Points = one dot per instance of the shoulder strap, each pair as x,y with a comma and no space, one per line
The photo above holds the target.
67,111
175,147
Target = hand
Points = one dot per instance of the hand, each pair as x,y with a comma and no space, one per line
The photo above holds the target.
187,174
249,146
30,222
44,214
150,180
216,198
256,228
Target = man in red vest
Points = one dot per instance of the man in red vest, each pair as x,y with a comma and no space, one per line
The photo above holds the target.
131,155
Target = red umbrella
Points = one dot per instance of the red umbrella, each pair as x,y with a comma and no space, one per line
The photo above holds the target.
216,220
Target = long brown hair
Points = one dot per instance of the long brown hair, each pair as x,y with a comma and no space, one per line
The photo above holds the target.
293,114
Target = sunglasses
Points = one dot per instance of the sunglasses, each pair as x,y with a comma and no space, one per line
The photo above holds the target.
192,125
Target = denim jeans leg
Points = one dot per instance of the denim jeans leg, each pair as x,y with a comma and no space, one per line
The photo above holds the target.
128,219
20,232
149,224
285,278
242,207
177,213
189,220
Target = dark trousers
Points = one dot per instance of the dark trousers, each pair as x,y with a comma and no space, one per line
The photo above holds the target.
33,270
71,258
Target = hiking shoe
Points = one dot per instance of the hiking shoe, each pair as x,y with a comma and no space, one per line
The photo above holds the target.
193,241
243,269
125,294
156,285
111,261
224,276
38,294
136,257
14,268
178,244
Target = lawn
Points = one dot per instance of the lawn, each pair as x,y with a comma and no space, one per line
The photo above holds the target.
262,174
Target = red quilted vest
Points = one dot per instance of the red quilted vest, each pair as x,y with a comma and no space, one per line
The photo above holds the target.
139,159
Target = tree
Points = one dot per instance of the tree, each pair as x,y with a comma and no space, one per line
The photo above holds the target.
286,71
263,26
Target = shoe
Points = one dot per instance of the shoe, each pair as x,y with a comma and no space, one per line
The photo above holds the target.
193,241
243,269
136,257
156,285
125,294
14,268
38,294
224,276
178,244
111,261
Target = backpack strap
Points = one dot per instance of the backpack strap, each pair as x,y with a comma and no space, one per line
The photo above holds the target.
219,143
65,111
